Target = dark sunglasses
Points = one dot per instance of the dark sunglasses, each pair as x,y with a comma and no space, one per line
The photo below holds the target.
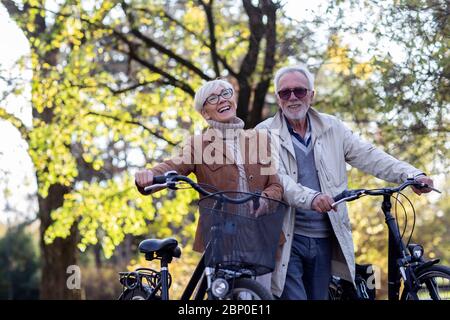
299,92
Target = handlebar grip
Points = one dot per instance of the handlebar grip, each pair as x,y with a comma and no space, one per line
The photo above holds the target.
159,179
341,195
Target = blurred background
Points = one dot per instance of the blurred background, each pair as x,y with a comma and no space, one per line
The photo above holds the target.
91,91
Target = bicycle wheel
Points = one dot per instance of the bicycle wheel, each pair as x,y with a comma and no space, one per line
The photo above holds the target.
248,289
434,284
137,293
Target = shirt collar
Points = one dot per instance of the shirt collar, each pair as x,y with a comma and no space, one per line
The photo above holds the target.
307,139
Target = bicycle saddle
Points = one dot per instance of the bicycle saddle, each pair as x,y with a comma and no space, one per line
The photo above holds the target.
160,247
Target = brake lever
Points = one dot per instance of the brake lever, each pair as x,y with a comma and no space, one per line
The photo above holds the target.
424,185
434,189
333,205
169,184
155,186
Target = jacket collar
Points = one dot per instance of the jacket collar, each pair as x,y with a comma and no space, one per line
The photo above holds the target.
319,125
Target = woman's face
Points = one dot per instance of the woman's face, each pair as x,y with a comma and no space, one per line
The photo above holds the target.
220,105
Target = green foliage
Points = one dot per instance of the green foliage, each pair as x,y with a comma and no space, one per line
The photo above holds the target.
397,103
106,211
19,265
107,100
370,233
394,90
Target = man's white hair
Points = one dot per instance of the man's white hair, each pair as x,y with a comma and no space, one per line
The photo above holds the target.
298,68
207,89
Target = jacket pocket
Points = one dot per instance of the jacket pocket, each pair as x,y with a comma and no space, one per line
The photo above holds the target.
334,176
325,170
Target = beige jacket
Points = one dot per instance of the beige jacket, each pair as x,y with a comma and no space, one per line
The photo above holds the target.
334,145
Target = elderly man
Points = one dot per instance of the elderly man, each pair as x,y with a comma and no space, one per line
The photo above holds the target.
314,149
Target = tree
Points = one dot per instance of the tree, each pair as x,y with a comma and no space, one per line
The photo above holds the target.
95,71
19,265
394,87
113,85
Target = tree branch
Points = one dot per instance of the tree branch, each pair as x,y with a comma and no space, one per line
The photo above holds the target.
16,122
221,59
269,9
150,43
134,56
256,27
212,35
11,7
156,134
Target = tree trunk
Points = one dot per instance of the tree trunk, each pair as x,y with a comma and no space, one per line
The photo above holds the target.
62,253
269,9
59,255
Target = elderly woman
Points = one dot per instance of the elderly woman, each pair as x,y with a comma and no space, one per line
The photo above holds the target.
219,157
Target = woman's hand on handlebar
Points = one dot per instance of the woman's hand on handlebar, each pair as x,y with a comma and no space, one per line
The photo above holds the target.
426,180
263,207
144,178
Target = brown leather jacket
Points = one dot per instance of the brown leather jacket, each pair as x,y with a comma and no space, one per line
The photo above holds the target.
221,171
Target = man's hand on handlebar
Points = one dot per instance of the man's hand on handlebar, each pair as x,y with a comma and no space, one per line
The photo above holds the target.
426,180
144,178
322,203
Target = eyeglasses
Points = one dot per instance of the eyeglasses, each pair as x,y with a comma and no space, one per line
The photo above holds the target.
299,92
214,98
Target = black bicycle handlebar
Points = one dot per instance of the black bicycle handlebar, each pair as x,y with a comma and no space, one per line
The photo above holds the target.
159,179
170,179
347,194
350,195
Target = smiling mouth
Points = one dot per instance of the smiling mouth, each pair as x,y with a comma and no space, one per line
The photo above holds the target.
295,106
223,109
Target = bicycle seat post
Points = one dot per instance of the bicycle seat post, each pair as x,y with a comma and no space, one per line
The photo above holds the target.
165,260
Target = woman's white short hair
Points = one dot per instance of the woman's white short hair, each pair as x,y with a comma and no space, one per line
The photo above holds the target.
298,68
207,89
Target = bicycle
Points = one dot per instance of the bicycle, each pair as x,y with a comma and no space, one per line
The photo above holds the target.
421,279
238,247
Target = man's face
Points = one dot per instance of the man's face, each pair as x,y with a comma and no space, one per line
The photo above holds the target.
293,107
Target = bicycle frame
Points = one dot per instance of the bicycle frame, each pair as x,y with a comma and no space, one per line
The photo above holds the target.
195,279
205,283
163,283
193,282
397,256
170,180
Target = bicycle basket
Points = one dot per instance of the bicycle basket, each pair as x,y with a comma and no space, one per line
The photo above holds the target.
235,238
